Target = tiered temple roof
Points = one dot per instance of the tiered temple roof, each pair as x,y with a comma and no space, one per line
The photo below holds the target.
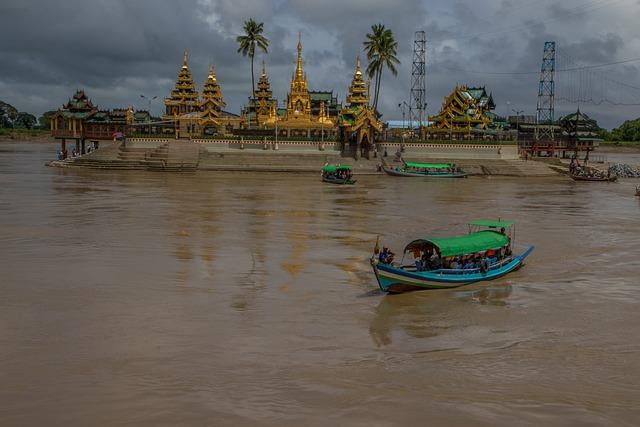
263,105
358,122
358,91
466,108
184,97
580,126
80,106
212,101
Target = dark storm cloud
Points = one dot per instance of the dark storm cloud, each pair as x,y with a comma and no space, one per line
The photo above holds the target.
119,49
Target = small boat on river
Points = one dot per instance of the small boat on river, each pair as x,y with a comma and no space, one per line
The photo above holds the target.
422,170
338,174
638,191
594,178
485,253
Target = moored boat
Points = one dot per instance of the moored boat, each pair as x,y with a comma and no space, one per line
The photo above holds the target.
594,178
338,174
638,191
430,170
485,253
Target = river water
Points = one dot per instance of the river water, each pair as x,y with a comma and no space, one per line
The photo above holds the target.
142,298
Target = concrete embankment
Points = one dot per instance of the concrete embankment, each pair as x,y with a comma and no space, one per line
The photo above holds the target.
188,156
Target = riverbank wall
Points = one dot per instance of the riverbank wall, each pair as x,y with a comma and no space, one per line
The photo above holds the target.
297,156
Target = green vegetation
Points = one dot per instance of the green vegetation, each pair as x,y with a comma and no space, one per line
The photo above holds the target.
626,134
18,133
381,49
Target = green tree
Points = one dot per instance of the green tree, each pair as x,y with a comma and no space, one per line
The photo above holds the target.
381,49
45,119
25,121
628,131
249,41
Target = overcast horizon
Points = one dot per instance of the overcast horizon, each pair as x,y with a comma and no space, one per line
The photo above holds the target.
118,50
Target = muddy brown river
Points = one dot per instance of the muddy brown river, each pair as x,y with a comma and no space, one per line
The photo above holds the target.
233,299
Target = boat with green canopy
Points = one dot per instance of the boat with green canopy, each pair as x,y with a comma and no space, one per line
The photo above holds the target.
485,253
431,170
338,174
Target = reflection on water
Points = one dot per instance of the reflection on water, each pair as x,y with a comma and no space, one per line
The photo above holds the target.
248,299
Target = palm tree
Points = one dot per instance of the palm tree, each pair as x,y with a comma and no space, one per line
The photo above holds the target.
248,42
381,49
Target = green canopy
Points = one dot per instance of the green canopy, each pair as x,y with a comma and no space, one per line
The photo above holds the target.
463,245
428,165
491,223
334,168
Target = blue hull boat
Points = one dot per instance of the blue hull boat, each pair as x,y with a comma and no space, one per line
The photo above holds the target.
395,279
487,252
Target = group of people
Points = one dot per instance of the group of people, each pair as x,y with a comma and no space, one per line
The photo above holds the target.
64,154
429,261
576,169
345,174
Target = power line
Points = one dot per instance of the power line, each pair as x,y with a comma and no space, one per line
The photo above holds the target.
526,73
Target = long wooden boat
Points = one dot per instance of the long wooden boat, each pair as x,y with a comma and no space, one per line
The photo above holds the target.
339,181
594,178
483,237
422,170
337,174
638,191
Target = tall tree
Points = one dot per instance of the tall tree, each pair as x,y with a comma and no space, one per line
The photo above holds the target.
381,49
249,41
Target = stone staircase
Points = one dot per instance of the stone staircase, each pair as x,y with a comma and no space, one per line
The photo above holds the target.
108,156
175,156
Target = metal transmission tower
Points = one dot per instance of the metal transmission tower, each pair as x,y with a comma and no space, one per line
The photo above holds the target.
418,98
546,94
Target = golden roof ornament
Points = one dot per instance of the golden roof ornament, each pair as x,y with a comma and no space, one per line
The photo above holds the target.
299,73
358,70
185,59
212,73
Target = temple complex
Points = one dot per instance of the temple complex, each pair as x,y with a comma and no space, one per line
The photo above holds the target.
307,113
358,121
465,109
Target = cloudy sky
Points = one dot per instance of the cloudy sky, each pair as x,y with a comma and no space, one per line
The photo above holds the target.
117,49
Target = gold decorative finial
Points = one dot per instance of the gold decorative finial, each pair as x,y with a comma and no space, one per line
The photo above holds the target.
299,74
185,59
358,70
264,69
212,72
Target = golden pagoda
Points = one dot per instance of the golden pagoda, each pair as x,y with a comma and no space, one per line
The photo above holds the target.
212,103
298,100
184,97
263,105
358,122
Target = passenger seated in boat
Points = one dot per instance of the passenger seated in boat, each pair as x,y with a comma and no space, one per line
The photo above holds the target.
454,264
386,256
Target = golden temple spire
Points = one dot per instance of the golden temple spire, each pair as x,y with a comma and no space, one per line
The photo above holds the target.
212,73
185,59
264,69
358,70
299,73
